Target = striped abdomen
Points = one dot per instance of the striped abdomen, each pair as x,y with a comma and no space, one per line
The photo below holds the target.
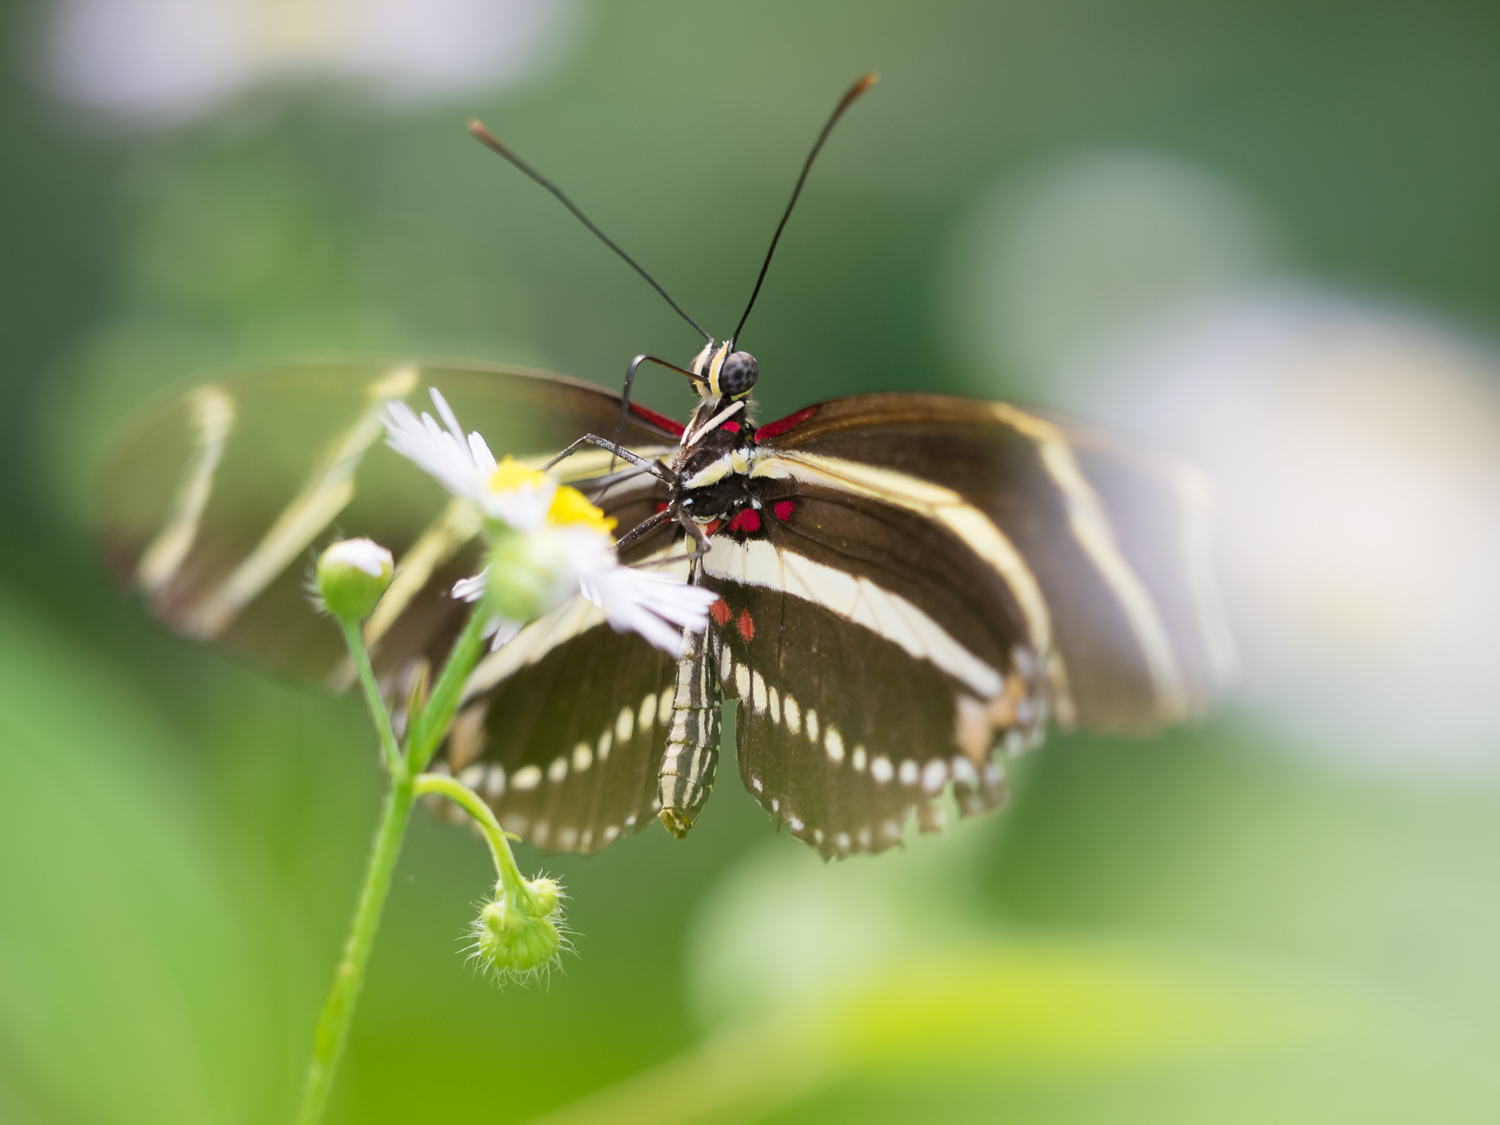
692,752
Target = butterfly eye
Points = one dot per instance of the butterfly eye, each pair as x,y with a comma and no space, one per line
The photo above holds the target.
738,375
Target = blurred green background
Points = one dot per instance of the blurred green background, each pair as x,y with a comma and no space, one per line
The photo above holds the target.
1208,926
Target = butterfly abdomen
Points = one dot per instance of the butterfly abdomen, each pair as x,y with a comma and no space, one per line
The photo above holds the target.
692,750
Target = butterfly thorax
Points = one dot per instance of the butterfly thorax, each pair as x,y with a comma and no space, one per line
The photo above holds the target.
714,462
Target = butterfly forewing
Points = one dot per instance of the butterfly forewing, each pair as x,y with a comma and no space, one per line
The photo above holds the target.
1095,548
215,502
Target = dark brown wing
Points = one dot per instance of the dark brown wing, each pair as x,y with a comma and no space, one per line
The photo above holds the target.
564,731
216,500
1107,549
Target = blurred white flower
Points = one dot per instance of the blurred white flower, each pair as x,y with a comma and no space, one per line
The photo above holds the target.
166,61
547,542
1357,455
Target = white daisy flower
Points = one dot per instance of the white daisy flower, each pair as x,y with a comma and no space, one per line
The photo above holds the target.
547,542
466,467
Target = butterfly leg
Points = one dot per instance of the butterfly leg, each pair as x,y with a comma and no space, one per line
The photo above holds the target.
655,468
645,527
700,538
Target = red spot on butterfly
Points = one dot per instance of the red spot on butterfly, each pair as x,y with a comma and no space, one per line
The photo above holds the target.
720,611
661,505
748,520
660,421
731,427
713,526
745,625
782,425
784,509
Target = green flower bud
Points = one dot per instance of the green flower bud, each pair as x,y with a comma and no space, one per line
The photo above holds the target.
526,572
516,934
352,576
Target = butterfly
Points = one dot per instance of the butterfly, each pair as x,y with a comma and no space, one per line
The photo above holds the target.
911,587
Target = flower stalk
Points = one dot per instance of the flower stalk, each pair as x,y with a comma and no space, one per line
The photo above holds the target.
545,543
427,729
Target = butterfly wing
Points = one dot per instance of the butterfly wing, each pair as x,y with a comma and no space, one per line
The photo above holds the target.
929,580
1106,548
214,503
563,729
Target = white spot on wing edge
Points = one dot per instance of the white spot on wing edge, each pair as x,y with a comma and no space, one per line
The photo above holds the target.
833,742
494,783
526,778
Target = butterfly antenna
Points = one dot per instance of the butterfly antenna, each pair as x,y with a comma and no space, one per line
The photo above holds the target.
490,141
853,92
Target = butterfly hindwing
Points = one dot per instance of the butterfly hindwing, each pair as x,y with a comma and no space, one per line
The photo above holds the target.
567,744
874,662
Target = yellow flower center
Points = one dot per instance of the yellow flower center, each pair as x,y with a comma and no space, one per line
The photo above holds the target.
509,476
569,507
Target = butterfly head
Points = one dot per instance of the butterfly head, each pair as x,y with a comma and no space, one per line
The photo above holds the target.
722,374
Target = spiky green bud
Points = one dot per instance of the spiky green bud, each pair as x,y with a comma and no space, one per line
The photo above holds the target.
517,931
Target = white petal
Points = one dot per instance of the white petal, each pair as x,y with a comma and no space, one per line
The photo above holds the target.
470,589
366,554
483,458
657,606
503,629
445,412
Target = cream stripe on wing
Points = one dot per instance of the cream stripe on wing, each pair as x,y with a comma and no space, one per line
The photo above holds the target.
756,562
458,524
322,498
213,417
575,616
947,507
1091,528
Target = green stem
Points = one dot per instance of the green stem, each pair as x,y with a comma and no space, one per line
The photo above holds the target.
427,729
431,722
333,1024
466,799
355,638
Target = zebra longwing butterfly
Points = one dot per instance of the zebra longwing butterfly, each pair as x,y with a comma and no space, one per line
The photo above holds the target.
910,586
